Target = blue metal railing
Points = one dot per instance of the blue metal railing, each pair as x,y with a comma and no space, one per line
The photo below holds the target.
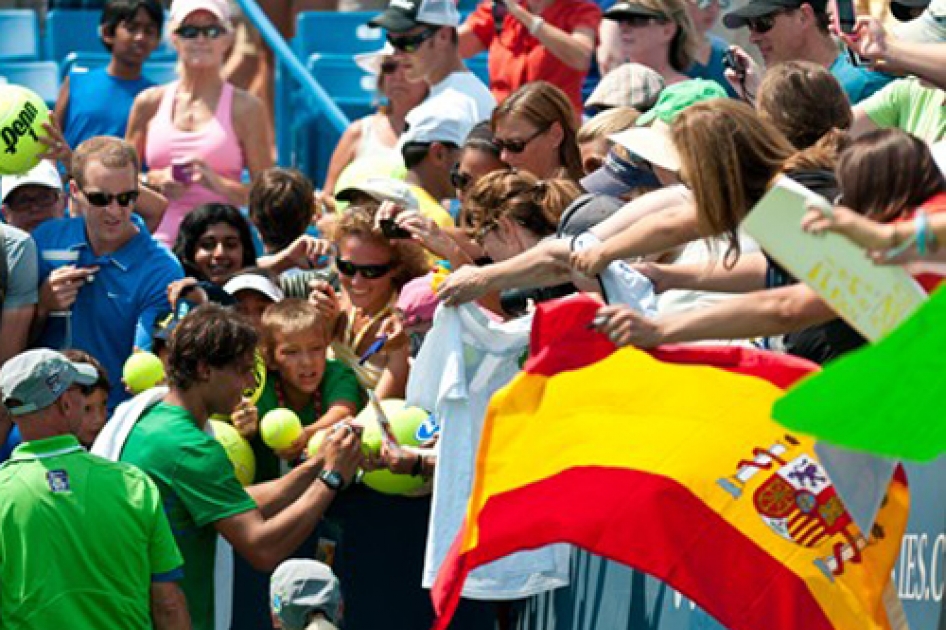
291,104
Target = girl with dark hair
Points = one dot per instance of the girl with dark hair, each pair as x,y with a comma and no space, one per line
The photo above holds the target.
214,243
889,177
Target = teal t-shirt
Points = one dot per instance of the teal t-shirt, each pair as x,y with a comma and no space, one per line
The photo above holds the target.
198,487
339,383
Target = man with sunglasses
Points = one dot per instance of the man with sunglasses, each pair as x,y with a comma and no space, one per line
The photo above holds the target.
103,280
798,30
424,34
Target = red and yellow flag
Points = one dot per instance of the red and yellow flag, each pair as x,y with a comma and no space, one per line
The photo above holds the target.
669,462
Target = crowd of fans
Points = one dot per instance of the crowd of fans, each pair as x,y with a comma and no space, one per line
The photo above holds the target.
158,222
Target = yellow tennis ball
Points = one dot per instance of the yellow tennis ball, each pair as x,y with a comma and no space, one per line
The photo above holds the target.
312,449
142,370
22,114
238,451
280,428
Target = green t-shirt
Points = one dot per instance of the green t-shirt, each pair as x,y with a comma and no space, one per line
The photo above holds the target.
339,384
81,540
198,487
906,104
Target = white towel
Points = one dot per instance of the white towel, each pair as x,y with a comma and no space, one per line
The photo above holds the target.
110,443
465,359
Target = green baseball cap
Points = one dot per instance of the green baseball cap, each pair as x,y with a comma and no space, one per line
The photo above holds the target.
35,379
677,97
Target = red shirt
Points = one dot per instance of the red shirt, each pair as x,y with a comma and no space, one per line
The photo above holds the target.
517,58
934,205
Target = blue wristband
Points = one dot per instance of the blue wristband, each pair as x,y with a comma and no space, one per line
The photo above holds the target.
922,232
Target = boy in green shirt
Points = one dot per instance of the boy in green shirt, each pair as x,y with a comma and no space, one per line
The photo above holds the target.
210,363
320,390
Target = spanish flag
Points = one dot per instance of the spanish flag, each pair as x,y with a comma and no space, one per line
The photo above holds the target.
668,462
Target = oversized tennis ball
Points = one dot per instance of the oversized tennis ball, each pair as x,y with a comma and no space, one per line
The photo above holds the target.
22,114
411,427
280,428
142,371
238,451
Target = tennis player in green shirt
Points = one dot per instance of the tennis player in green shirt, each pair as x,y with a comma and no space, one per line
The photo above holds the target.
84,542
210,363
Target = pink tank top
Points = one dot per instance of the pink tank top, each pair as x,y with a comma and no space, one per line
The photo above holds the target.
216,143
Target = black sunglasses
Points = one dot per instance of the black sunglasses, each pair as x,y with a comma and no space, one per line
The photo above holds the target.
389,67
459,180
193,32
640,21
518,146
369,272
763,23
101,199
410,43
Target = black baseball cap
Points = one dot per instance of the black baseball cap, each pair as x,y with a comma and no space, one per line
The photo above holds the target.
761,8
622,10
403,15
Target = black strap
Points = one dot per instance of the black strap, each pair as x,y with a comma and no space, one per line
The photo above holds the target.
4,267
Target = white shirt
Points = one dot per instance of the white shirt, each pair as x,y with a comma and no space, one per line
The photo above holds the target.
466,90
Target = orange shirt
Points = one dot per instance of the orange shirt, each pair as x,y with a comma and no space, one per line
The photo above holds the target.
517,58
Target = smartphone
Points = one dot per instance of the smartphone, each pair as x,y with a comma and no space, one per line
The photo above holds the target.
181,171
856,60
500,10
732,61
392,230
844,16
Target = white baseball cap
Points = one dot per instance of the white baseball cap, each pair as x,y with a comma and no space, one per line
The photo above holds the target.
180,9
254,282
436,120
370,62
43,174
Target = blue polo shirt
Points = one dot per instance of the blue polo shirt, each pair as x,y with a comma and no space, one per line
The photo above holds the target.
115,312
857,83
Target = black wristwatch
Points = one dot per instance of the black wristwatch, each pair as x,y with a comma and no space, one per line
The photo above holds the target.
333,479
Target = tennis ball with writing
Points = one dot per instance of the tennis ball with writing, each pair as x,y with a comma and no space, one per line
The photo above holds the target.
409,425
22,114
142,371
280,428
238,450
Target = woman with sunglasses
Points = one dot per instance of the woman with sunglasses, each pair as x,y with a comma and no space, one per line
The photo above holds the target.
199,133
658,34
376,135
535,130
533,40
371,270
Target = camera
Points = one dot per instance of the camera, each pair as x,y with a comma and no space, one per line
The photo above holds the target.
392,230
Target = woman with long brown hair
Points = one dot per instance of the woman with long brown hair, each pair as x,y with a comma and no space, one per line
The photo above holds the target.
535,129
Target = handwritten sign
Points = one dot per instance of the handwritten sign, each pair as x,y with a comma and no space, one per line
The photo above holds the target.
871,298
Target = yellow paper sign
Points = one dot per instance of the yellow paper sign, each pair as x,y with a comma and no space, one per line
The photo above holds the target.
871,298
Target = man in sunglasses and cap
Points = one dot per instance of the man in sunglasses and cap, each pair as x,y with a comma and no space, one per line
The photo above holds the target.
424,34
798,30
86,541
103,280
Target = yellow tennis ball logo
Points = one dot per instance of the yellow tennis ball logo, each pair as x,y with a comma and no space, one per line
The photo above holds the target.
22,114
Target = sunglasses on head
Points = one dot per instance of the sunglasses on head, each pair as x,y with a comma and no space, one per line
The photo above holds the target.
101,199
705,4
458,179
389,66
370,272
193,32
517,146
410,43
639,21
763,23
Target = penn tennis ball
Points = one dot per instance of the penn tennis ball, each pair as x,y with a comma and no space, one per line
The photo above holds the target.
142,371
280,428
22,114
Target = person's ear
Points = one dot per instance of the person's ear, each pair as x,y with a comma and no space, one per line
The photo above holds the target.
105,37
556,133
203,371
